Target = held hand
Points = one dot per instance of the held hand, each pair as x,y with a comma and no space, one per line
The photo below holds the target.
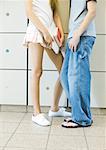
61,40
74,41
48,39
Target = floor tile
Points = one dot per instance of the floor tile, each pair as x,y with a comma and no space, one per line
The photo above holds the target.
29,136
8,127
32,128
67,142
99,120
96,143
4,137
57,129
27,118
11,117
28,141
57,120
95,131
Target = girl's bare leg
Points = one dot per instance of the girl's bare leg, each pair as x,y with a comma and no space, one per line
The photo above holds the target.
57,59
36,56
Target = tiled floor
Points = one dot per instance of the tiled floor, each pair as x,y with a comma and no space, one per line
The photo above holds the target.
17,132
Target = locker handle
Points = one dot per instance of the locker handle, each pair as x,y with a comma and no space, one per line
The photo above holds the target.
7,14
47,88
7,50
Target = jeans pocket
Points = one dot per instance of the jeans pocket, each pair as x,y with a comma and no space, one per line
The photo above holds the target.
86,47
90,41
83,54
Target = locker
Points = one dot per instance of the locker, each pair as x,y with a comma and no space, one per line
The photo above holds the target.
12,53
98,56
101,17
12,87
12,16
47,84
98,90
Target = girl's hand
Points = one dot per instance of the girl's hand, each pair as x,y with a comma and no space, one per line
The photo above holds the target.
47,37
74,41
61,40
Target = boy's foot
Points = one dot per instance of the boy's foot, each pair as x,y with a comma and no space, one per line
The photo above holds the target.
60,113
41,120
69,119
72,124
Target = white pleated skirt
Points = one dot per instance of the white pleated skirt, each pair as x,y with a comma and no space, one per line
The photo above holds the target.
33,35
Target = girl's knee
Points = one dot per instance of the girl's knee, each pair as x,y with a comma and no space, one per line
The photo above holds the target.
37,73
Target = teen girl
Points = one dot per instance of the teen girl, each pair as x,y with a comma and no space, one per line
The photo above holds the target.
75,74
43,15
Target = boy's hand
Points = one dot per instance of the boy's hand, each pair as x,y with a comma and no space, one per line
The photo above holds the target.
74,41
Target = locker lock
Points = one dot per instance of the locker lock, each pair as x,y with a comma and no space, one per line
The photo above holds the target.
7,50
47,88
7,14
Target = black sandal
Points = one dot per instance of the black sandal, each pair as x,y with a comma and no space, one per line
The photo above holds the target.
75,125
67,119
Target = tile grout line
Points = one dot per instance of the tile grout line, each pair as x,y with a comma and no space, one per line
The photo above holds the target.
13,132
49,135
86,140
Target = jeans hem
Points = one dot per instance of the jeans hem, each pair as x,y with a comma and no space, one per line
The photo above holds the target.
82,124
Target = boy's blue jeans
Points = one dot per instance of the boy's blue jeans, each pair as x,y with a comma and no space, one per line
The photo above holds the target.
75,78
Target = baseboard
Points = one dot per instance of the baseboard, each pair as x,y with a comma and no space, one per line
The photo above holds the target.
29,109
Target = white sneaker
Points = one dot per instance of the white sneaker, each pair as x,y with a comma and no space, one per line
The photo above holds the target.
60,113
41,120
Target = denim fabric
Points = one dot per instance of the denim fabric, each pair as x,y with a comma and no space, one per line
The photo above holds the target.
75,78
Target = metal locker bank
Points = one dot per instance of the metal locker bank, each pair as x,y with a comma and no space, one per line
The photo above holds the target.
15,67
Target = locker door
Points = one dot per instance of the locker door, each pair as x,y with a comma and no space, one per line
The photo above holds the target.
47,85
12,16
13,87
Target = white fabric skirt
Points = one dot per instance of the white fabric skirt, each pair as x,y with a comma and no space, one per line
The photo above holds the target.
33,35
